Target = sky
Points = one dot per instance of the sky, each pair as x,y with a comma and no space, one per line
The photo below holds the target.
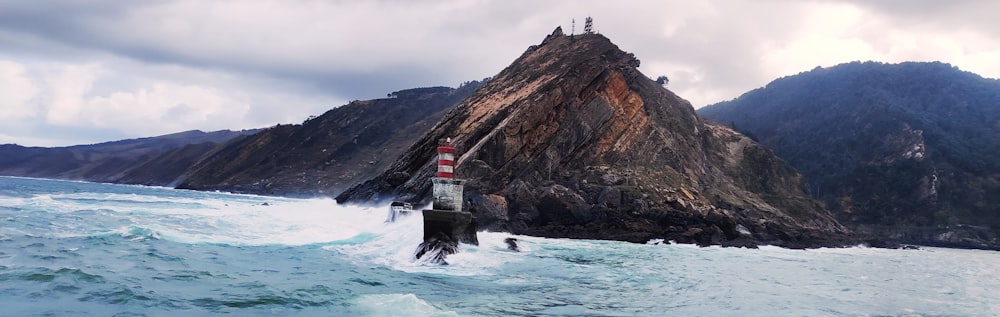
82,72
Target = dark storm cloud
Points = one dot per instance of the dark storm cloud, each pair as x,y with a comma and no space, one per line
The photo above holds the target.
352,69
66,23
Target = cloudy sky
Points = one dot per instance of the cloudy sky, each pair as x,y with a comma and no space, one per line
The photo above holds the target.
78,72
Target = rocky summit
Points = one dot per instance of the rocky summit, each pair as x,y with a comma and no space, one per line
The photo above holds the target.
571,140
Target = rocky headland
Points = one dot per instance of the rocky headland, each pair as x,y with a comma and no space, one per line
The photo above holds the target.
571,140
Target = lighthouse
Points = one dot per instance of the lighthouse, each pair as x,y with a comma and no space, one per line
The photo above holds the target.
446,224
447,190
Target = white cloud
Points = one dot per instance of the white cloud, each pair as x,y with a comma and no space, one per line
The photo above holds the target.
831,26
65,88
844,32
16,93
164,108
51,96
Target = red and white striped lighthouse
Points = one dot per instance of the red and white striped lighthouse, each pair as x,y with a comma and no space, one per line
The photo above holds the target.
447,190
446,159
446,217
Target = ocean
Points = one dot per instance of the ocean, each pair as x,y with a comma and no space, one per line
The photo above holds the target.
86,249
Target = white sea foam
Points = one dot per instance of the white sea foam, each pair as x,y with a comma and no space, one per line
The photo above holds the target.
282,221
45,202
195,217
393,245
398,305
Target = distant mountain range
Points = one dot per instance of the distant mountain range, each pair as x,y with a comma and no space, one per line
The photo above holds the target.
157,161
328,153
906,151
322,156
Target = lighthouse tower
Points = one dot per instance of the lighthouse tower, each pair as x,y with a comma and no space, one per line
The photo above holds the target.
446,222
447,189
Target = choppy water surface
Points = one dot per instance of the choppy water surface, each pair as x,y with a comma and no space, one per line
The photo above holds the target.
82,249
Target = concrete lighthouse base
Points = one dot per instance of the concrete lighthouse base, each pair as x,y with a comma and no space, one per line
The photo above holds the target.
459,226
443,231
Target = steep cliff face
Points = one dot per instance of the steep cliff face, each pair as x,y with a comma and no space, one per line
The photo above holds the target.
905,152
572,141
329,153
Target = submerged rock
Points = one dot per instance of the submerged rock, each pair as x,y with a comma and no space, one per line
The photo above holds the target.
435,248
512,244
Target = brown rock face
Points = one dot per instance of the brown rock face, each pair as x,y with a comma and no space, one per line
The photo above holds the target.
572,141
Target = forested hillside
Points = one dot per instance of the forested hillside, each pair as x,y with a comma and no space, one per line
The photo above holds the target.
906,150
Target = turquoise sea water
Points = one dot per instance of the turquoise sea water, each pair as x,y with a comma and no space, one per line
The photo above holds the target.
83,249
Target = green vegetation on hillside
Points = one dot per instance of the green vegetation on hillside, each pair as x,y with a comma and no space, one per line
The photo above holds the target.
886,145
